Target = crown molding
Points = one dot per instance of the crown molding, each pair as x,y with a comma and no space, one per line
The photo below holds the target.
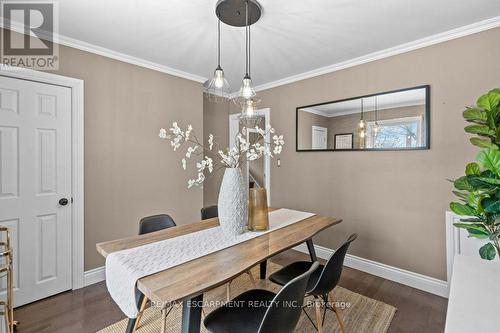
399,49
102,51
402,48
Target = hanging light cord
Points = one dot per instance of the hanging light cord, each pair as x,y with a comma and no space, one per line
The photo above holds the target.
376,109
218,43
247,37
362,109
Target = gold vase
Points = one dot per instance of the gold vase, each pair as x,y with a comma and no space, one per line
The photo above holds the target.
258,219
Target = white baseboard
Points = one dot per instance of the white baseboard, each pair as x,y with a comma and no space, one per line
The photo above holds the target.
94,276
412,279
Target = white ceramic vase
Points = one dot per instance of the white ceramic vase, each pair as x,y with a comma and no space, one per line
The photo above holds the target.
233,202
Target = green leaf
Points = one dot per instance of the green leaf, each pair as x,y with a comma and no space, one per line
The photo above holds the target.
475,230
461,209
480,130
491,205
461,195
487,251
477,184
472,169
493,181
490,159
489,101
475,115
463,184
483,143
472,219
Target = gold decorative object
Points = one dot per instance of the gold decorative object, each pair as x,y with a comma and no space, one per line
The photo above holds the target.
258,219
7,306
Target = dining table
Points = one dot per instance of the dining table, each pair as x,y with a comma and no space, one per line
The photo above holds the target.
186,283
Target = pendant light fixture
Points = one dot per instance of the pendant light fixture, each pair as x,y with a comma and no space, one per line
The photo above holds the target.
362,123
217,89
246,96
230,13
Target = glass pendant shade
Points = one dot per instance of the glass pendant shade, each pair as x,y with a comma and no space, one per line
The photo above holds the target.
246,90
249,108
217,89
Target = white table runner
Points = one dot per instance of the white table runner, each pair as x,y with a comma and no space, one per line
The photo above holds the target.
124,268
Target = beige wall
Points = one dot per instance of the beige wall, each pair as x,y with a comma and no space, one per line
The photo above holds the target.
216,121
395,201
129,171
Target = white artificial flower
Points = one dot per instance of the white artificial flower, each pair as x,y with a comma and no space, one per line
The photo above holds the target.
210,141
183,163
163,133
271,130
260,130
191,150
189,129
278,140
210,164
277,150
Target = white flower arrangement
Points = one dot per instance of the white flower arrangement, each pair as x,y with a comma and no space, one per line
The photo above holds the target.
244,150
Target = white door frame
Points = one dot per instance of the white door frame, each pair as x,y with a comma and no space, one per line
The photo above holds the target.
320,129
77,158
266,113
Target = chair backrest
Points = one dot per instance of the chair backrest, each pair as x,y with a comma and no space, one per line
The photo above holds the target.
284,312
330,275
154,223
209,212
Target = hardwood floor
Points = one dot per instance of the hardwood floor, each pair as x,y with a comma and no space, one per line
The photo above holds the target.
91,308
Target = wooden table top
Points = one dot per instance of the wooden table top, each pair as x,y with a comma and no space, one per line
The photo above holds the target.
197,276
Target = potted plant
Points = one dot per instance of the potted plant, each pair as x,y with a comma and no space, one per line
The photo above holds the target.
479,189
233,199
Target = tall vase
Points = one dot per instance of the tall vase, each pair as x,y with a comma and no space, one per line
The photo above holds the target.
233,204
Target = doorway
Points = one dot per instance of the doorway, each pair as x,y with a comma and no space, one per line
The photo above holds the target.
257,172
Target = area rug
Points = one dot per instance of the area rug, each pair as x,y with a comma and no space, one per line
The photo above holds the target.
359,313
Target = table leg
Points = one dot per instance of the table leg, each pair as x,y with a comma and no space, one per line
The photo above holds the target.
191,315
131,321
312,252
263,269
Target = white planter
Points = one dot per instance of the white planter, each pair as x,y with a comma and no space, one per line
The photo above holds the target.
233,203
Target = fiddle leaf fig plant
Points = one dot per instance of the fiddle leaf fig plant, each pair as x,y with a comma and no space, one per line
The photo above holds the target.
478,190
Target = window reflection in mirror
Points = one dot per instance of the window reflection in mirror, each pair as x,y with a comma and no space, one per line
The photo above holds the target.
386,121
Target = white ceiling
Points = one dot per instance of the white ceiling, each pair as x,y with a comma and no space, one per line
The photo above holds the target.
384,101
292,37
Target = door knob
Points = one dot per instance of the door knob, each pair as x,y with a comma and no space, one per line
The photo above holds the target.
63,202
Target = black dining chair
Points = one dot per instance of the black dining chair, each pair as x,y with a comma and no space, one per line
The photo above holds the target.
322,281
155,223
262,311
210,212
147,225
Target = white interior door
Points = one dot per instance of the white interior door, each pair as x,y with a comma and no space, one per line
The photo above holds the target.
35,173
319,135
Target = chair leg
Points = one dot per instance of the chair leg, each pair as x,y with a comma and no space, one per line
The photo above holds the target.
141,311
228,291
319,322
337,314
163,320
251,278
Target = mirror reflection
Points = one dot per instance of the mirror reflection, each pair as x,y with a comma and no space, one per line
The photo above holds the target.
386,121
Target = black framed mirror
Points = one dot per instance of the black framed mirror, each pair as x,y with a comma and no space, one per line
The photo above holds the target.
392,120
